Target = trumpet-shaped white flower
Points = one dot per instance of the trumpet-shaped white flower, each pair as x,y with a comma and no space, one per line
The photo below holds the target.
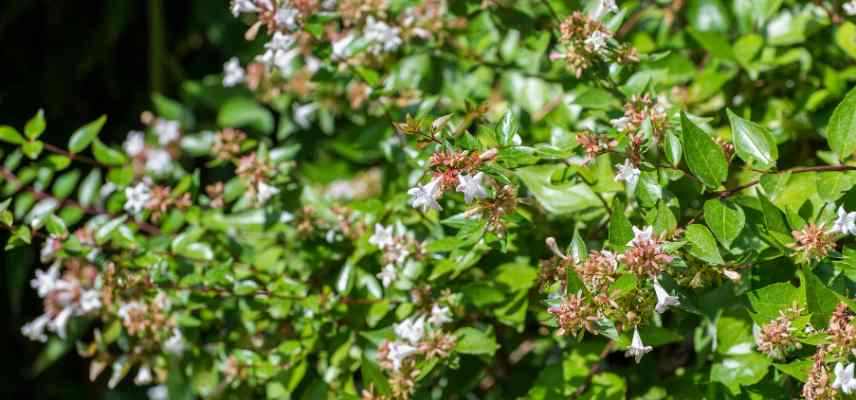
641,235
303,114
627,172
35,329
158,161
845,223
136,198
603,8
243,6
597,42
844,378
175,343
424,196
340,46
620,124
233,73
849,7
387,275
637,349
167,131
664,300
398,351
382,236
382,37
471,187
265,192
411,330
90,300
60,322
144,375
46,281
159,392
439,315
135,143
286,17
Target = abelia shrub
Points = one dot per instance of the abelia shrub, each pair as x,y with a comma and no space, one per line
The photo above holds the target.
467,199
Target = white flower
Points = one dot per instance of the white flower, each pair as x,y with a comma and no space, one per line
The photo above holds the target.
780,25
158,161
471,187
286,17
60,322
849,7
49,249
135,143
423,196
551,244
144,375
35,329
137,197
302,114
387,275
641,235
620,124
340,46
158,392
233,74
90,301
280,53
382,37
597,42
46,281
398,352
439,315
265,192
175,343
844,378
664,300
845,223
627,172
637,349
411,329
167,131
243,6
604,7
382,237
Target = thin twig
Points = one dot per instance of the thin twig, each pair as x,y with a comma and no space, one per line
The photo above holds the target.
595,369
797,170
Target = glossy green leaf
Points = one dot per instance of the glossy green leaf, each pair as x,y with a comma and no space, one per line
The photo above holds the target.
702,244
703,156
83,136
753,142
725,219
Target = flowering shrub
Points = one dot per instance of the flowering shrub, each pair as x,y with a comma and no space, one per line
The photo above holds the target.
468,199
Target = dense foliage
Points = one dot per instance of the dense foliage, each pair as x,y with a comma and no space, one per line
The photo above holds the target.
401,199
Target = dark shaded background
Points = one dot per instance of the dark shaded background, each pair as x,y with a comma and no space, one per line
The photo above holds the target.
78,60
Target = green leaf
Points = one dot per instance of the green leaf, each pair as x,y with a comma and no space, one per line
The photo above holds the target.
242,112
36,125
345,281
725,220
740,370
620,229
197,251
87,194
172,110
107,155
10,135
753,142
474,341
841,131
702,244
674,149
703,156
564,198
507,129
832,185
821,300
769,300
374,377
83,136
65,184
798,368
32,149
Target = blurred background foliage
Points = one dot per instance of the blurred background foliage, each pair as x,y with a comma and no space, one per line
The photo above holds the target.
78,60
